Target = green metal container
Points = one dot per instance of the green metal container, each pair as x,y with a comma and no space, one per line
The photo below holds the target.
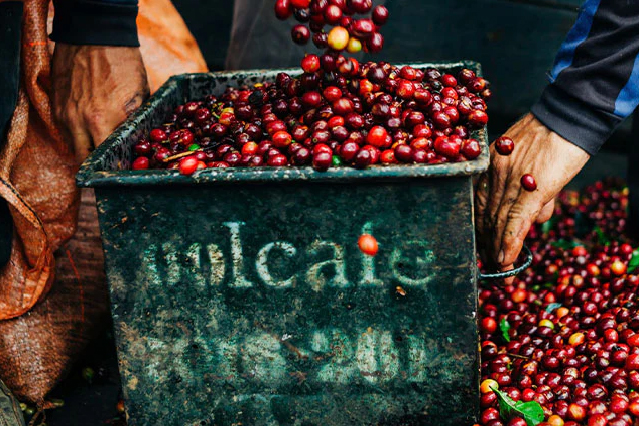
239,296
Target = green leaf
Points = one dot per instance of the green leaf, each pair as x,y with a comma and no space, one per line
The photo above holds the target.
505,327
531,411
601,236
548,225
565,244
634,261
552,306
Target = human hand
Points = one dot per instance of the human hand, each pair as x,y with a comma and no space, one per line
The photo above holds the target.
504,211
95,88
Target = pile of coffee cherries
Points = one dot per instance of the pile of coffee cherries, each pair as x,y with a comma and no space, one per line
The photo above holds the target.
348,33
337,112
566,333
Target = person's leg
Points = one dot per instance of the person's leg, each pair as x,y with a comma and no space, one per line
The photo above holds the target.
10,23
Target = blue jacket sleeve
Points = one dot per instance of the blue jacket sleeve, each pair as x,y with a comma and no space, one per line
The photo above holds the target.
95,22
594,83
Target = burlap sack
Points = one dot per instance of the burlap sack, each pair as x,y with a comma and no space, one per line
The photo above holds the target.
38,344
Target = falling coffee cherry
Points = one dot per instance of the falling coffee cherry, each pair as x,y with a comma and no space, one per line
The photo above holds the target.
504,145
528,182
368,244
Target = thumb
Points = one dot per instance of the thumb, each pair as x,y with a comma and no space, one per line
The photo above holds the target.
546,212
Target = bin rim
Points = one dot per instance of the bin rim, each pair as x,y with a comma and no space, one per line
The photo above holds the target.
93,174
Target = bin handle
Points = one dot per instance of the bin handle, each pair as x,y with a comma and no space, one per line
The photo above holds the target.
512,272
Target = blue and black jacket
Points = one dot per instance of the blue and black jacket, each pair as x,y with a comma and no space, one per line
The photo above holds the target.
594,83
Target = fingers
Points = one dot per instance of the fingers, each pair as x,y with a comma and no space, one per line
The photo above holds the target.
508,280
519,220
546,212
500,219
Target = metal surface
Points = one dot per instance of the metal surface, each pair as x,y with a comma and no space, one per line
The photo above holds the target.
242,298
516,271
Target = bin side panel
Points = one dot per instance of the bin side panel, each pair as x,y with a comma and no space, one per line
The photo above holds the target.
252,304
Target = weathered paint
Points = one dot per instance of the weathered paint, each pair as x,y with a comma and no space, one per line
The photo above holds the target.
242,298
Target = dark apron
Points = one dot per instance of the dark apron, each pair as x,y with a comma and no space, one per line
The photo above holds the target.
10,25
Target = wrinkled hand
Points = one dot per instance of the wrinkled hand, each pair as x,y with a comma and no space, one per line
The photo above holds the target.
95,88
504,211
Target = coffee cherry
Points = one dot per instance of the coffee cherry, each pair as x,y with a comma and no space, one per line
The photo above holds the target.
388,156
283,9
489,325
380,15
447,147
504,145
354,45
333,14
322,160
343,106
302,156
301,4
449,80
311,99
338,38
360,6
368,244
377,136
477,119
188,165
404,153
277,160
618,267
310,63
375,43
140,163
576,412
320,40
363,28
405,89
363,158
157,135
528,183
282,139
471,149
300,34
517,421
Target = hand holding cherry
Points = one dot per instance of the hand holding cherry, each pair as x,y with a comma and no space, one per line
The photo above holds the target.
519,187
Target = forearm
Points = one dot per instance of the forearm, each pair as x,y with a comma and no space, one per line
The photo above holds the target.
595,78
95,22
